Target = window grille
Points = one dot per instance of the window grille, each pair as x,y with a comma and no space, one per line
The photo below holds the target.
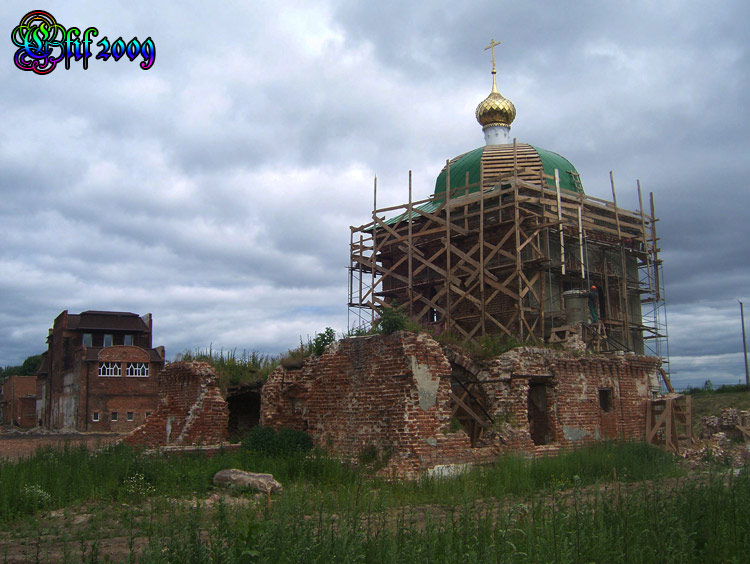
110,369
137,370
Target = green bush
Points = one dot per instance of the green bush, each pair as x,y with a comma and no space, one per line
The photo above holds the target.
322,340
391,319
287,442
291,442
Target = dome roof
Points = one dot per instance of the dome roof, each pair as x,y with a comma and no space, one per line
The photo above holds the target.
495,109
496,163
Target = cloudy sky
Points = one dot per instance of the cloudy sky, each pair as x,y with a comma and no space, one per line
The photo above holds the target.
216,189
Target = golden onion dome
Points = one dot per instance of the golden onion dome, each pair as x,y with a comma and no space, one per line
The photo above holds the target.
495,109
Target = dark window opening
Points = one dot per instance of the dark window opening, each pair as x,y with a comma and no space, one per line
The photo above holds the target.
244,411
127,340
540,425
131,416
87,340
114,416
605,399
108,340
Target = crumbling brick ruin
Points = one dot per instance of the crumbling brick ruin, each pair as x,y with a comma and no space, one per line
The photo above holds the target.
423,406
191,409
732,423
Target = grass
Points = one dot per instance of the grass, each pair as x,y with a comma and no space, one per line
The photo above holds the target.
690,522
233,369
567,508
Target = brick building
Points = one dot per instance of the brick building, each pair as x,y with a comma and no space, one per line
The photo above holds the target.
18,401
99,373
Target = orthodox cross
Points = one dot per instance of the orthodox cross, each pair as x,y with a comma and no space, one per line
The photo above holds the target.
492,45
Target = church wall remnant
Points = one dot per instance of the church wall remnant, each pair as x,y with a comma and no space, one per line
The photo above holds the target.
191,409
424,406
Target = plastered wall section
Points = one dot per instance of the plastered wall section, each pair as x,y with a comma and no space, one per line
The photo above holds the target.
190,409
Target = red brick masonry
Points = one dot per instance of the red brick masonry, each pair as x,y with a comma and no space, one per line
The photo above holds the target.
392,394
191,409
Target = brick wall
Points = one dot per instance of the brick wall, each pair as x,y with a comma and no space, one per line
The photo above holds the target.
393,394
389,393
129,397
18,395
190,411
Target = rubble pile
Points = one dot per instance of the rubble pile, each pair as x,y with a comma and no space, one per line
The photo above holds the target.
723,439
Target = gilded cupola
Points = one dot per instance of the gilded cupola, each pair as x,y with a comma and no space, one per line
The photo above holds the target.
495,111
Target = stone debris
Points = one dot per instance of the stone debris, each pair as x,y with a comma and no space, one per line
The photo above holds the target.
725,426
240,479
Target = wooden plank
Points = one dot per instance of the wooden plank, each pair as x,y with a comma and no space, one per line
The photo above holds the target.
448,271
667,382
614,200
657,425
657,285
468,410
559,218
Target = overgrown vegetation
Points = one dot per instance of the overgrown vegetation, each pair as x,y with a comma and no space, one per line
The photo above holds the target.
29,367
285,443
564,509
233,369
394,318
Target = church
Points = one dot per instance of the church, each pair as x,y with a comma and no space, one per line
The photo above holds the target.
505,240
508,245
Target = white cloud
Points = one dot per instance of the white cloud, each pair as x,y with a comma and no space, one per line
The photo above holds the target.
216,189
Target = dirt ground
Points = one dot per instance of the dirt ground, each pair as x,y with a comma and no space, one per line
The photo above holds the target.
16,444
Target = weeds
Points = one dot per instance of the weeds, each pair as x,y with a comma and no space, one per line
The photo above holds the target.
233,369
516,510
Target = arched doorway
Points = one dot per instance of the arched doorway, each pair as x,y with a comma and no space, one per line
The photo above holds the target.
469,404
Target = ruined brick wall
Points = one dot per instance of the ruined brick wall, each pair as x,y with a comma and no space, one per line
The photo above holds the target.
389,393
190,411
393,394
587,397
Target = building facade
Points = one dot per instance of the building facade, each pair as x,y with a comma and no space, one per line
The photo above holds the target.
18,401
99,373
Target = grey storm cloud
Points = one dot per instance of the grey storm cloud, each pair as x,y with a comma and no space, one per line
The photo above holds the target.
216,189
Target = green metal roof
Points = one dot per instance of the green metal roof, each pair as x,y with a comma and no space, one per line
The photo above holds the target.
471,162
569,179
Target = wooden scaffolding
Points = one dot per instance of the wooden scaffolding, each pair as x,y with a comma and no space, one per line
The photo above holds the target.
669,422
494,257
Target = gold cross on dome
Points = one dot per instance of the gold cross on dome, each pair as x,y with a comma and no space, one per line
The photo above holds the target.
492,45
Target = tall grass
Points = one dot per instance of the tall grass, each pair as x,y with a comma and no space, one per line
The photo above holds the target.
692,522
515,510
56,478
233,369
